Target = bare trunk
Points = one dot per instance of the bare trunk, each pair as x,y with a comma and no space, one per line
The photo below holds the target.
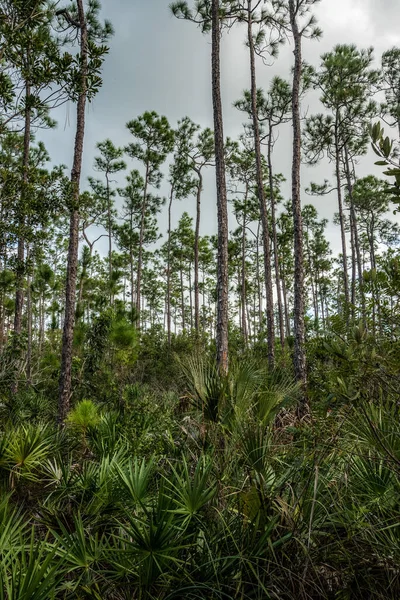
109,223
285,300
341,221
132,275
196,255
190,295
169,268
300,365
182,300
275,242
355,231
243,273
29,326
310,267
20,271
261,197
222,267
21,267
72,264
353,266
140,255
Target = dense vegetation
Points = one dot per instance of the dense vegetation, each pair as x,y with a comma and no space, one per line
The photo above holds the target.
193,416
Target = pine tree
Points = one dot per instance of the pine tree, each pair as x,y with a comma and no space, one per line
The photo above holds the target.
273,110
83,81
196,152
209,16
109,162
154,140
294,16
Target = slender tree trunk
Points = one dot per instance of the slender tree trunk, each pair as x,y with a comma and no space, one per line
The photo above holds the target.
310,269
261,195
300,365
171,197
222,202
354,224
182,299
29,325
341,220
19,296
109,223
140,256
243,273
322,307
21,267
2,322
203,305
72,264
371,238
3,290
275,240
190,295
285,300
258,278
196,254
131,266
353,266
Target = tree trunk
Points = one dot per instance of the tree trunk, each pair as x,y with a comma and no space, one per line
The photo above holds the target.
243,273
109,223
140,255
196,254
19,296
300,365
169,268
275,240
261,196
222,203
72,264
190,294
341,220
353,267
20,269
310,269
285,300
29,326
258,290
182,299
131,266
354,225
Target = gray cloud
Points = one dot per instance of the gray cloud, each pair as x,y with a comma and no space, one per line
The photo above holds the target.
159,63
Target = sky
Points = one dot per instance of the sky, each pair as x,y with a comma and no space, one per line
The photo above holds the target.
157,62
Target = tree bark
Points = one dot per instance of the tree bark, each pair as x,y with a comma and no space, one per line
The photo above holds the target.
72,264
261,195
131,266
275,241
354,226
21,267
300,364
182,298
169,268
196,254
341,220
285,300
19,296
243,272
140,255
109,223
29,326
222,203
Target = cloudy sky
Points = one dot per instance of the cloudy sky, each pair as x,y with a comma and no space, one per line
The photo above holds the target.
159,63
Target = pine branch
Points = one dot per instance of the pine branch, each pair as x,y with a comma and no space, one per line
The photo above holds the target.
66,14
